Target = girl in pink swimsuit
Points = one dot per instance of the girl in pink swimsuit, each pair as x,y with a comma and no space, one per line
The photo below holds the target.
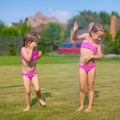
90,51
29,56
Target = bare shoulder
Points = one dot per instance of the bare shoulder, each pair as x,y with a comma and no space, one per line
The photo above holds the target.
84,36
23,50
87,35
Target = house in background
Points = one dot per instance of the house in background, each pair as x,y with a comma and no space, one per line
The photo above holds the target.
39,19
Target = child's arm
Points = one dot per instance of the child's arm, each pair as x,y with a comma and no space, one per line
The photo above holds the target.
88,57
99,54
83,36
27,53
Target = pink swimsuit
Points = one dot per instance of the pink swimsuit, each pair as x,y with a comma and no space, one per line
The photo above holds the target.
30,75
34,57
86,44
87,68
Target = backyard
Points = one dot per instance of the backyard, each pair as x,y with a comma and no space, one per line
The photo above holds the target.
60,89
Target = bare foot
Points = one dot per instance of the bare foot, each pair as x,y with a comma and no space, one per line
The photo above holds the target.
88,110
80,108
42,102
27,109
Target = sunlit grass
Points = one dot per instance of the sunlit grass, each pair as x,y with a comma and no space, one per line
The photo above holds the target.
60,89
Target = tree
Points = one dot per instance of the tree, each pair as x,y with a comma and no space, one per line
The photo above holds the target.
11,48
1,25
83,19
23,28
9,31
117,40
104,18
51,36
12,32
115,13
108,44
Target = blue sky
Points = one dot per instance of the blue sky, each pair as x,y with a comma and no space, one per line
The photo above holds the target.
16,10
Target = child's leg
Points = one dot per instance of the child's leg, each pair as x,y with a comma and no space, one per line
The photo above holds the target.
91,78
26,82
35,83
82,82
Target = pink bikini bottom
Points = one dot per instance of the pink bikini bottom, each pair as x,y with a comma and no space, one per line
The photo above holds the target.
30,75
87,68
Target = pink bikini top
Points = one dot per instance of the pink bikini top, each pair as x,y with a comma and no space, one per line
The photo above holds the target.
86,44
34,55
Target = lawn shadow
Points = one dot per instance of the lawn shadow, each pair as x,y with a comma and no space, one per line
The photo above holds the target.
96,94
12,86
44,96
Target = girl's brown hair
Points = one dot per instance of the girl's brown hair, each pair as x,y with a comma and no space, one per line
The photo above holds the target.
96,27
30,37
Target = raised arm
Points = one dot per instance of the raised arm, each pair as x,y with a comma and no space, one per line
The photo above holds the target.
74,30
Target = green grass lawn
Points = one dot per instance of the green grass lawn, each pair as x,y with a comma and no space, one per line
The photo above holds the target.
60,89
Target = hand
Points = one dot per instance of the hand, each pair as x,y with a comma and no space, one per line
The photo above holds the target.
39,54
87,36
86,58
75,28
33,45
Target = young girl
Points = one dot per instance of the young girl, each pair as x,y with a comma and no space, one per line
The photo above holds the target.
29,56
90,51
